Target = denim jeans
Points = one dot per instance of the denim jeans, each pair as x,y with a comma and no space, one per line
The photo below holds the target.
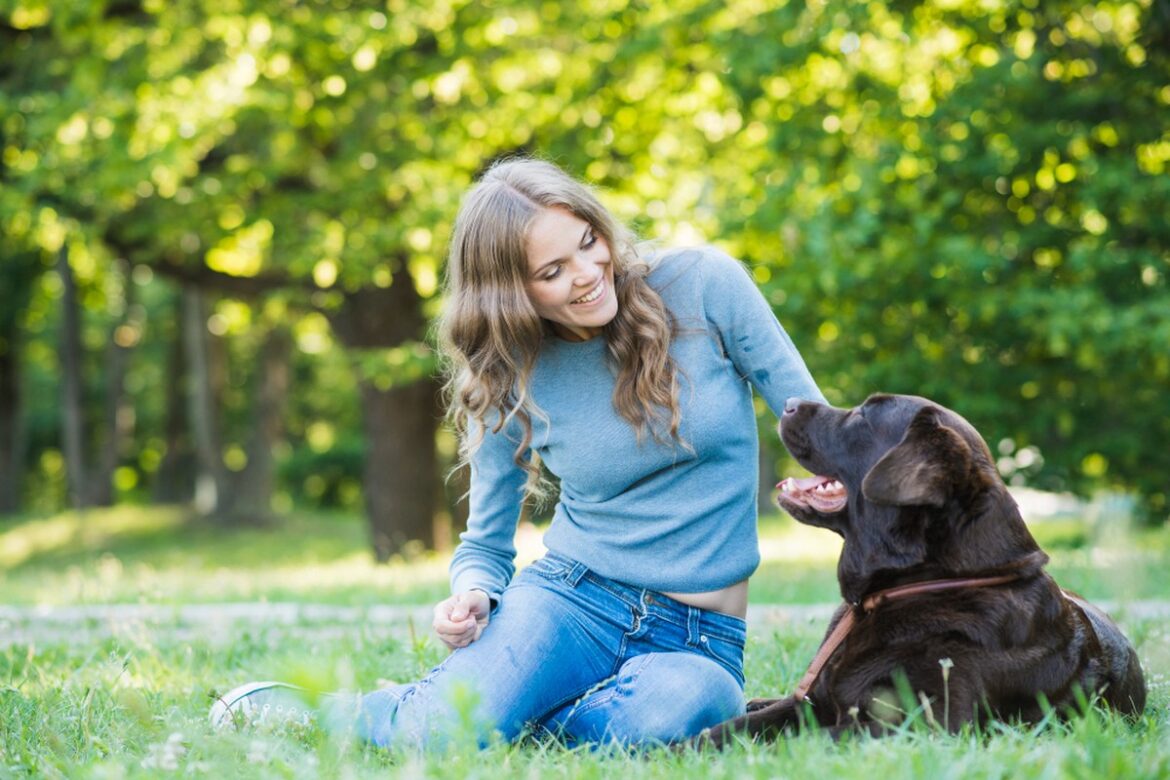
575,655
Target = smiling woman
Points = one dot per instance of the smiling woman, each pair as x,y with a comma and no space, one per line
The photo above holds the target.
630,379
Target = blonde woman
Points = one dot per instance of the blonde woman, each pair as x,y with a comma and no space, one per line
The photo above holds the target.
631,380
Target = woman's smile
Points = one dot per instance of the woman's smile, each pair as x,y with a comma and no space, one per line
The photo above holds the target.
593,295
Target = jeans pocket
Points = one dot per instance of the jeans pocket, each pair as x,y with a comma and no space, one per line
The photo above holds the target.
725,652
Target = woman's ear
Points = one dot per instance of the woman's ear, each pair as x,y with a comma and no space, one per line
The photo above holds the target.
920,470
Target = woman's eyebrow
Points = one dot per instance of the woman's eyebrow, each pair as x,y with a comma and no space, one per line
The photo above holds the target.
561,259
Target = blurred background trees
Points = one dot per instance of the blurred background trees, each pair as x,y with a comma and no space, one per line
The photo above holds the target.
222,224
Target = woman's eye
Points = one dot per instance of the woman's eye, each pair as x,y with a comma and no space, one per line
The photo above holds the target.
553,274
590,240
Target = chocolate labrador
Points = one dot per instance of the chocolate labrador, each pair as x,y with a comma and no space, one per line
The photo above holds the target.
947,604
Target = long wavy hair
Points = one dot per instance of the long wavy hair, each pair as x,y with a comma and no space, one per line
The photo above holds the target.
490,334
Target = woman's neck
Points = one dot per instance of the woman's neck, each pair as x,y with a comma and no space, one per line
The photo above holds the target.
575,333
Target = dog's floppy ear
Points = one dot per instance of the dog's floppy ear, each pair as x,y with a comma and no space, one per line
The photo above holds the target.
918,471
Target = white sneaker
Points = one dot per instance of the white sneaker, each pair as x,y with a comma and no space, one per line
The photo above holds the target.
261,703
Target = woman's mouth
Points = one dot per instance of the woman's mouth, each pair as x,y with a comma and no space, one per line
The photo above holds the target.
592,296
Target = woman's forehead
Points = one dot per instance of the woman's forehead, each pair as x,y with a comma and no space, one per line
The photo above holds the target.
555,234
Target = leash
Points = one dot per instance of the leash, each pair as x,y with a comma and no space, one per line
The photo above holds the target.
872,602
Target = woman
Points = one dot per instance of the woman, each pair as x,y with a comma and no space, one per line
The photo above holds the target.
632,383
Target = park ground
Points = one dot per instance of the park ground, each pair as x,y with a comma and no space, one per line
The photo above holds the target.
117,627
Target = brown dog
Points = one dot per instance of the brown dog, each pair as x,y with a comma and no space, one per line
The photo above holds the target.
942,581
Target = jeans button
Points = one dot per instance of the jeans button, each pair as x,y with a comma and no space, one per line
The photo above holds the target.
647,599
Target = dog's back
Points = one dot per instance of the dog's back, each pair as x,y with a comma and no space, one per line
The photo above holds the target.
1117,672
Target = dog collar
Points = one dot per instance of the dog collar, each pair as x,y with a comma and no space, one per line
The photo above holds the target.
875,600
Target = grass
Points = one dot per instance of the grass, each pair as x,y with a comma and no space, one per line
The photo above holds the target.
134,704
161,556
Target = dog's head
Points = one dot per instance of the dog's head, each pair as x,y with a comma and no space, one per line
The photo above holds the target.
907,483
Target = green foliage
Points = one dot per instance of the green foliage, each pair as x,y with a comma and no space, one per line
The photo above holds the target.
947,198
974,214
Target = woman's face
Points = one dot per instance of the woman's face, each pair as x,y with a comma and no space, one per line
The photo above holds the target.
570,274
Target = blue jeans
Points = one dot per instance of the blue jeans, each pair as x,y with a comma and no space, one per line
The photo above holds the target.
576,655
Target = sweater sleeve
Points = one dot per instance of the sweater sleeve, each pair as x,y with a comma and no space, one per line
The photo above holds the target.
485,557
751,336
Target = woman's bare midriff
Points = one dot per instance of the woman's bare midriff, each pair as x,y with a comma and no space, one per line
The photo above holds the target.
731,600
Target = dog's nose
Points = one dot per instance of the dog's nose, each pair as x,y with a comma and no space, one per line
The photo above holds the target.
791,405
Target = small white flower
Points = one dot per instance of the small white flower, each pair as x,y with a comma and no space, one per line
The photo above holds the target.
165,755
258,752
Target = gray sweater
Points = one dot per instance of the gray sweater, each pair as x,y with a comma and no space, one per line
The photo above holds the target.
652,515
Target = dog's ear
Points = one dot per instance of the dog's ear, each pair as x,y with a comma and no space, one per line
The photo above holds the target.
920,470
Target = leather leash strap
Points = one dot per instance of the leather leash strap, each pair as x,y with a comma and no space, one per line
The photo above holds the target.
872,602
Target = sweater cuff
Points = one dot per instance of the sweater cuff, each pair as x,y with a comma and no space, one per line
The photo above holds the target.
472,579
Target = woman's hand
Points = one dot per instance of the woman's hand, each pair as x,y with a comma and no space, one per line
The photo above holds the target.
460,619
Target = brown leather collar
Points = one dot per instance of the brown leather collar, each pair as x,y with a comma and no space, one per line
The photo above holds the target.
875,600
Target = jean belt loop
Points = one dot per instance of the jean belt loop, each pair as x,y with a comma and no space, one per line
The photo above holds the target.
576,574
693,632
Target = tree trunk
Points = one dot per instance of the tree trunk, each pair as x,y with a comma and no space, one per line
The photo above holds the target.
19,272
400,476
72,425
454,488
118,414
11,425
211,494
173,483
256,483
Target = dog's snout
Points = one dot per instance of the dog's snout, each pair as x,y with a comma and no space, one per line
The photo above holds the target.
791,405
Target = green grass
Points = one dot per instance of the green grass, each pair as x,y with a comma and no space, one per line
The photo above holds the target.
134,708
135,704
162,556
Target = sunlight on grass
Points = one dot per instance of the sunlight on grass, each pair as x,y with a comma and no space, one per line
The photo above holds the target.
91,529
164,556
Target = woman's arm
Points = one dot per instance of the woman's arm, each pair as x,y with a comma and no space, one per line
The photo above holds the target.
751,336
485,557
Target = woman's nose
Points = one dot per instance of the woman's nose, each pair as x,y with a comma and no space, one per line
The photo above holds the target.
583,271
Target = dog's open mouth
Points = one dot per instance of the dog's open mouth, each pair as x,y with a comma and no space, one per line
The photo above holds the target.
824,494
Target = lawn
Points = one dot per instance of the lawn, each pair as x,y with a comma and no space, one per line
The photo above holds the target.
133,702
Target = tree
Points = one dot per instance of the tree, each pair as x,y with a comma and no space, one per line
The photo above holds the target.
967,205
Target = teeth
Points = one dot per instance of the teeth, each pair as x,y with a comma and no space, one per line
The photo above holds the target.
597,291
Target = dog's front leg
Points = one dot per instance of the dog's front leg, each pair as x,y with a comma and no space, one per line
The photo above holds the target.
760,704
765,719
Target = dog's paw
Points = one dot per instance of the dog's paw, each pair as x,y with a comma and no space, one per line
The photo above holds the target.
760,704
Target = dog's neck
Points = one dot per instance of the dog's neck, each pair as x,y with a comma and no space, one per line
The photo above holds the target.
989,539
1025,567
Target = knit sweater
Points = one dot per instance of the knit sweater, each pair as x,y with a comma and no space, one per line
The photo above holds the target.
651,514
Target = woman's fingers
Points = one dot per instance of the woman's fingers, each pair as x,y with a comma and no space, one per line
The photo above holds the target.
457,621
